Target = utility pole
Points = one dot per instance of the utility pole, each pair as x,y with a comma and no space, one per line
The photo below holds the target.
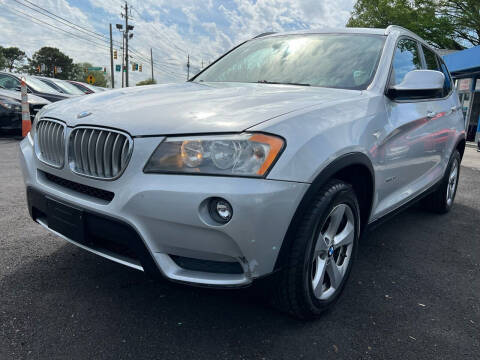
188,67
111,58
126,36
126,41
151,62
123,59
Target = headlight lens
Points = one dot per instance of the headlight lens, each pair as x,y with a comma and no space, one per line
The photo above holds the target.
11,104
235,155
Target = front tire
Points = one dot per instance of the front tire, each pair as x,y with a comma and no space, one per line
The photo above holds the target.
322,253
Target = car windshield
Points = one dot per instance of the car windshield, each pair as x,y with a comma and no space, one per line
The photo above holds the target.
67,87
347,61
40,86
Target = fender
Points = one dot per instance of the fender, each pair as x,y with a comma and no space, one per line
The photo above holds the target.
325,175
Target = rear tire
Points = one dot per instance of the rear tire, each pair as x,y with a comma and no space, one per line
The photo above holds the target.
441,201
322,254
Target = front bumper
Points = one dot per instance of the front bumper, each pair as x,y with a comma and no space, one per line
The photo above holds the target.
165,215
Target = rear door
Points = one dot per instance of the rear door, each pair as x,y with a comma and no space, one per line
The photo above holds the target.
411,149
444,109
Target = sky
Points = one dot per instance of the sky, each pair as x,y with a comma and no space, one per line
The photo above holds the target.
172,29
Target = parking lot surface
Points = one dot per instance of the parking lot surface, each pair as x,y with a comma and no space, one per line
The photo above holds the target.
414,294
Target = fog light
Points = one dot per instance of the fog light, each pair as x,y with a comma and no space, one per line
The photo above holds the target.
220,210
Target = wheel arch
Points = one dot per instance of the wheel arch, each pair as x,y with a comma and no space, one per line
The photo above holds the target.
353,168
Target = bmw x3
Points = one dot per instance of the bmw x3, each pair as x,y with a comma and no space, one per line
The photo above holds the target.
271,162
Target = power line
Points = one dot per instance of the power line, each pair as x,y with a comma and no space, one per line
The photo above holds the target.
64,21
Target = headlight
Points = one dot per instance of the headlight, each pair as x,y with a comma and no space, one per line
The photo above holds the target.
11,104
234,155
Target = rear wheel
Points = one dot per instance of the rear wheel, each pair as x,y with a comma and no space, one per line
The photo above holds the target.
322,253
441,201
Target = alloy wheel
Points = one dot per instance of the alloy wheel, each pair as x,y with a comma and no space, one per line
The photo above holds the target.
452,182
332,252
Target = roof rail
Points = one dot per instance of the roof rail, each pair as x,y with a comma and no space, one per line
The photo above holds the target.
265,34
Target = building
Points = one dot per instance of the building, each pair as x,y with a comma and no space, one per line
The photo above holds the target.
465,68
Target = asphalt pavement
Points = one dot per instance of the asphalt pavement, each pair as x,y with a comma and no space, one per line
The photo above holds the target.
414,294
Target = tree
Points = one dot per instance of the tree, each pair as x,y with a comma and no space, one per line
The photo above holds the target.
11,56
146,82
3,62
47,59
80,73
465,16
426,18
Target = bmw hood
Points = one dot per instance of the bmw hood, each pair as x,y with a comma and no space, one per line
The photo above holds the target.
191,107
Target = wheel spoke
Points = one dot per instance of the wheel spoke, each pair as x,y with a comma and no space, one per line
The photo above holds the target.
346,237
334,274
321,245
317,281
335,219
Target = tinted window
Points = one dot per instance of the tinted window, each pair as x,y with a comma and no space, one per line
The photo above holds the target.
430,59
447,86
406,59
327,60
8,82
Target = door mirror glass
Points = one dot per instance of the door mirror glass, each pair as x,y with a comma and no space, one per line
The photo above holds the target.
418,84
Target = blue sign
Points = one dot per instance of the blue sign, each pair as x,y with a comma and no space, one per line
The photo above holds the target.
118,68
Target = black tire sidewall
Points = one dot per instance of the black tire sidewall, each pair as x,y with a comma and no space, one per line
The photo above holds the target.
345,195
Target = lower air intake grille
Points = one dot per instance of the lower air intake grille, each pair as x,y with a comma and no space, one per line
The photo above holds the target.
99,153
84,189
219,267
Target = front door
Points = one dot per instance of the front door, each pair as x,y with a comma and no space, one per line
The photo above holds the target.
415,136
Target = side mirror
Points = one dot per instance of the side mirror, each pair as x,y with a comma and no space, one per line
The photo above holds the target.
18,88
418,84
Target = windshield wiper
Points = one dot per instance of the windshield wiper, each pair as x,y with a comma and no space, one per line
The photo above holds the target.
281,83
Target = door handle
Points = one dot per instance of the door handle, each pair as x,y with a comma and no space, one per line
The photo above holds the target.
431,114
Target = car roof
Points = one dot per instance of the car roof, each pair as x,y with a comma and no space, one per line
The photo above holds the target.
368,31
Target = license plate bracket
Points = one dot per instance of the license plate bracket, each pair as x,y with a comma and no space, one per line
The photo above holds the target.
65,219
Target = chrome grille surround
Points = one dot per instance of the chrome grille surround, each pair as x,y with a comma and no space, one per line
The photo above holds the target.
50,142
99,153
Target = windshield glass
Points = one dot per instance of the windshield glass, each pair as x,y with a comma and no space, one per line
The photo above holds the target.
345,61
40,86
67,87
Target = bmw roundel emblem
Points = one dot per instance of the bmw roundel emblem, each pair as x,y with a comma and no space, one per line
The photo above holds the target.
83,114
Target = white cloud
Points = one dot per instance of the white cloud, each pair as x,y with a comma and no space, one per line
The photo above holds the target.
203,29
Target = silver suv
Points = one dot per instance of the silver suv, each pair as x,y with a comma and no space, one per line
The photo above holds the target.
272,161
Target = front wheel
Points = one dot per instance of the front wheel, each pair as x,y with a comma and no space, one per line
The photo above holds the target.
322,253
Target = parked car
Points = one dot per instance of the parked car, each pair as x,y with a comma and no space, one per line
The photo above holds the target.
61,86
11,110
87,88
271,162
10,81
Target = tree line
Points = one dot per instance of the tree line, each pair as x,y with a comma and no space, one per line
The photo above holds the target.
49,62
446,24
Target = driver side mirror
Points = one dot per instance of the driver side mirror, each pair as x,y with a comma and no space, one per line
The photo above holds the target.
418,84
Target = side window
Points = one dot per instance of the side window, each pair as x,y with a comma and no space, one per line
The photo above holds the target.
431,59
447,86
8,82
406,59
